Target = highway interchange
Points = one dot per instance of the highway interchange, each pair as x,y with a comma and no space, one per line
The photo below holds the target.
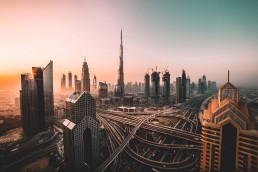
159,147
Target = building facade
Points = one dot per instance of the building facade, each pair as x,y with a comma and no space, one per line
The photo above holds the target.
48,89
81,132
103,90
63,83
166,86
32,102
188,87
201,86
78,84
94,82
178,90
212,85
75,80
155,86
229,141
70,80
183,86
204,83
147,85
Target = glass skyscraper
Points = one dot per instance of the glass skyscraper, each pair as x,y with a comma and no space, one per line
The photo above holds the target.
48,89
32,102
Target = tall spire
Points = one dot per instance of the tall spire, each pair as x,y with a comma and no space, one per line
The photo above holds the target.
85,79
228,75
120,81
121,37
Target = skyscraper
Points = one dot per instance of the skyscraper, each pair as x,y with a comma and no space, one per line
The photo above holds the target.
103,90
183,86
178,90
193,86
211,85
120,82
85,81
75,80
201,86
166,86
204,83
147,85
48,89
32,102
81,132
155,86
78,85
172,87
95,82
140,87
63,83
229,141
188,88
70,80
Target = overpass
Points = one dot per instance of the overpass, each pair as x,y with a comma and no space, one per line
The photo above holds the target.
104,165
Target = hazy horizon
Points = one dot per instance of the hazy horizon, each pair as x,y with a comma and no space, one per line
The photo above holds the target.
202,37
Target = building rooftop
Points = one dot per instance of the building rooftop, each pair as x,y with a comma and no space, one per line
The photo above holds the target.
69,124
74,97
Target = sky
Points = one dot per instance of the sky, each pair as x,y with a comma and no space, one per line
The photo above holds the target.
203,37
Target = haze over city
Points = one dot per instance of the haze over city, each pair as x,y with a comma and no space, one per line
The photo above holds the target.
202,38
127,85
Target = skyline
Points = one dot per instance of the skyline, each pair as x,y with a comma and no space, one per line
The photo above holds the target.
206,38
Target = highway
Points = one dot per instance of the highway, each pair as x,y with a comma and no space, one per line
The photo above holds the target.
161,145
29,157
180,133
177,148
117,137
104,165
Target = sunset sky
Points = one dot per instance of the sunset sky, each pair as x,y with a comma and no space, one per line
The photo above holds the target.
200,36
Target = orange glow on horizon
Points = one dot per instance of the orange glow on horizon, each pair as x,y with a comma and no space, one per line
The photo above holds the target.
9,81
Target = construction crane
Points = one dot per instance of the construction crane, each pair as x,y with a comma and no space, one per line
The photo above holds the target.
165,70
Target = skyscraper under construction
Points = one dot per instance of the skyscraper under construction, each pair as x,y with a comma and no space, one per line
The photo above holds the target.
155,86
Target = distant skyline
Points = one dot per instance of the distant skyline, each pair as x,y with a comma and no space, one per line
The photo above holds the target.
201,37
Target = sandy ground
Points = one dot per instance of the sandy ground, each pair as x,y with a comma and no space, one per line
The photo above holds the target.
11,135
40,165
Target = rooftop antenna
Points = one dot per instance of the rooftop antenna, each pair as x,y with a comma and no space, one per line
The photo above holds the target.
228,75
84,58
